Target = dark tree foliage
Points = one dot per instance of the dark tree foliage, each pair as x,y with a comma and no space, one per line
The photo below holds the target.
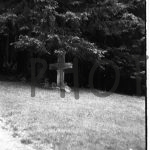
91,30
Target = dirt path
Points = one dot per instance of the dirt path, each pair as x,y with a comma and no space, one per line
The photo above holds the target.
7,142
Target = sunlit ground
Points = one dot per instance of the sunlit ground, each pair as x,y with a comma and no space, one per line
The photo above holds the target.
47,121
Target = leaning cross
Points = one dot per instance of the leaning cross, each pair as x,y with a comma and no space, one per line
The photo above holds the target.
60,66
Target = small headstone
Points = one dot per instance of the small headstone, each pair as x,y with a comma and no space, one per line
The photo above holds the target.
46,83
23,80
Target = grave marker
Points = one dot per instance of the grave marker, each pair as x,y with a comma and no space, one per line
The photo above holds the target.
60,66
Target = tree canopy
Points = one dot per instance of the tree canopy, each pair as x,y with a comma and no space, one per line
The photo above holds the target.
91,30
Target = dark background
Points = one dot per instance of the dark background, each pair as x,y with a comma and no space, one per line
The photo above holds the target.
91,30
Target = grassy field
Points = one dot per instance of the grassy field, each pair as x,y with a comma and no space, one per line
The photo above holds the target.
48,122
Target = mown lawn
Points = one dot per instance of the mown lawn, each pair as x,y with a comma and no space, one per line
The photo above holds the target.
116,122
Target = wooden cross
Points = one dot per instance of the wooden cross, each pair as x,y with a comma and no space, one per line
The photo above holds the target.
60,66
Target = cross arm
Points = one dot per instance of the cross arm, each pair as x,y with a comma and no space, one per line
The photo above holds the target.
59,66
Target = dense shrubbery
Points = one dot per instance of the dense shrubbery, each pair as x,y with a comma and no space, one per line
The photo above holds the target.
92,31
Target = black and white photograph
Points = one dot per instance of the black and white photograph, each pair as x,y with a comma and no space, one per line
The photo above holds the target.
73,75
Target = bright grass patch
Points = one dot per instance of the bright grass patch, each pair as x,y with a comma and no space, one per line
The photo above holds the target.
47,121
